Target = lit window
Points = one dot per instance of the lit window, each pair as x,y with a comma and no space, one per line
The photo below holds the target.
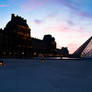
22,53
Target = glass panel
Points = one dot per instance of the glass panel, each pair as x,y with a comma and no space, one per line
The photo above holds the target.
87,52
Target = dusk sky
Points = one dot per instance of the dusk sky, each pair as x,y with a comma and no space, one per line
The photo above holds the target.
69,21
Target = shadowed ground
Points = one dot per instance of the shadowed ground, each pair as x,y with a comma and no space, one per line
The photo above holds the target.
32,75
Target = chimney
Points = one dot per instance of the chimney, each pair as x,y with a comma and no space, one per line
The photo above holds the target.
12,16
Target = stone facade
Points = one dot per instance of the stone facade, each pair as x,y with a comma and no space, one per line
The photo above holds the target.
16,40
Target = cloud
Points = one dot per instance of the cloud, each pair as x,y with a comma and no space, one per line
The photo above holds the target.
3,5
70,4
53,14
81,8
70,22
84,14
29,5
38,21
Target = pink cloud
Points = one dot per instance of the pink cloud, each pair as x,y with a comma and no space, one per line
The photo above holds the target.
58,28
3,5
29,5
84,14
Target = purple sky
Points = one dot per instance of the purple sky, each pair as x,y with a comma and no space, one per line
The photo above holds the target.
69,21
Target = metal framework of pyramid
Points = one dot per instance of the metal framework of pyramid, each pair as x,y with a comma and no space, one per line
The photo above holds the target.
85,50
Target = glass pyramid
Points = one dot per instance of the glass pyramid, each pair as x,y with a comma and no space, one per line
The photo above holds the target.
85,50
